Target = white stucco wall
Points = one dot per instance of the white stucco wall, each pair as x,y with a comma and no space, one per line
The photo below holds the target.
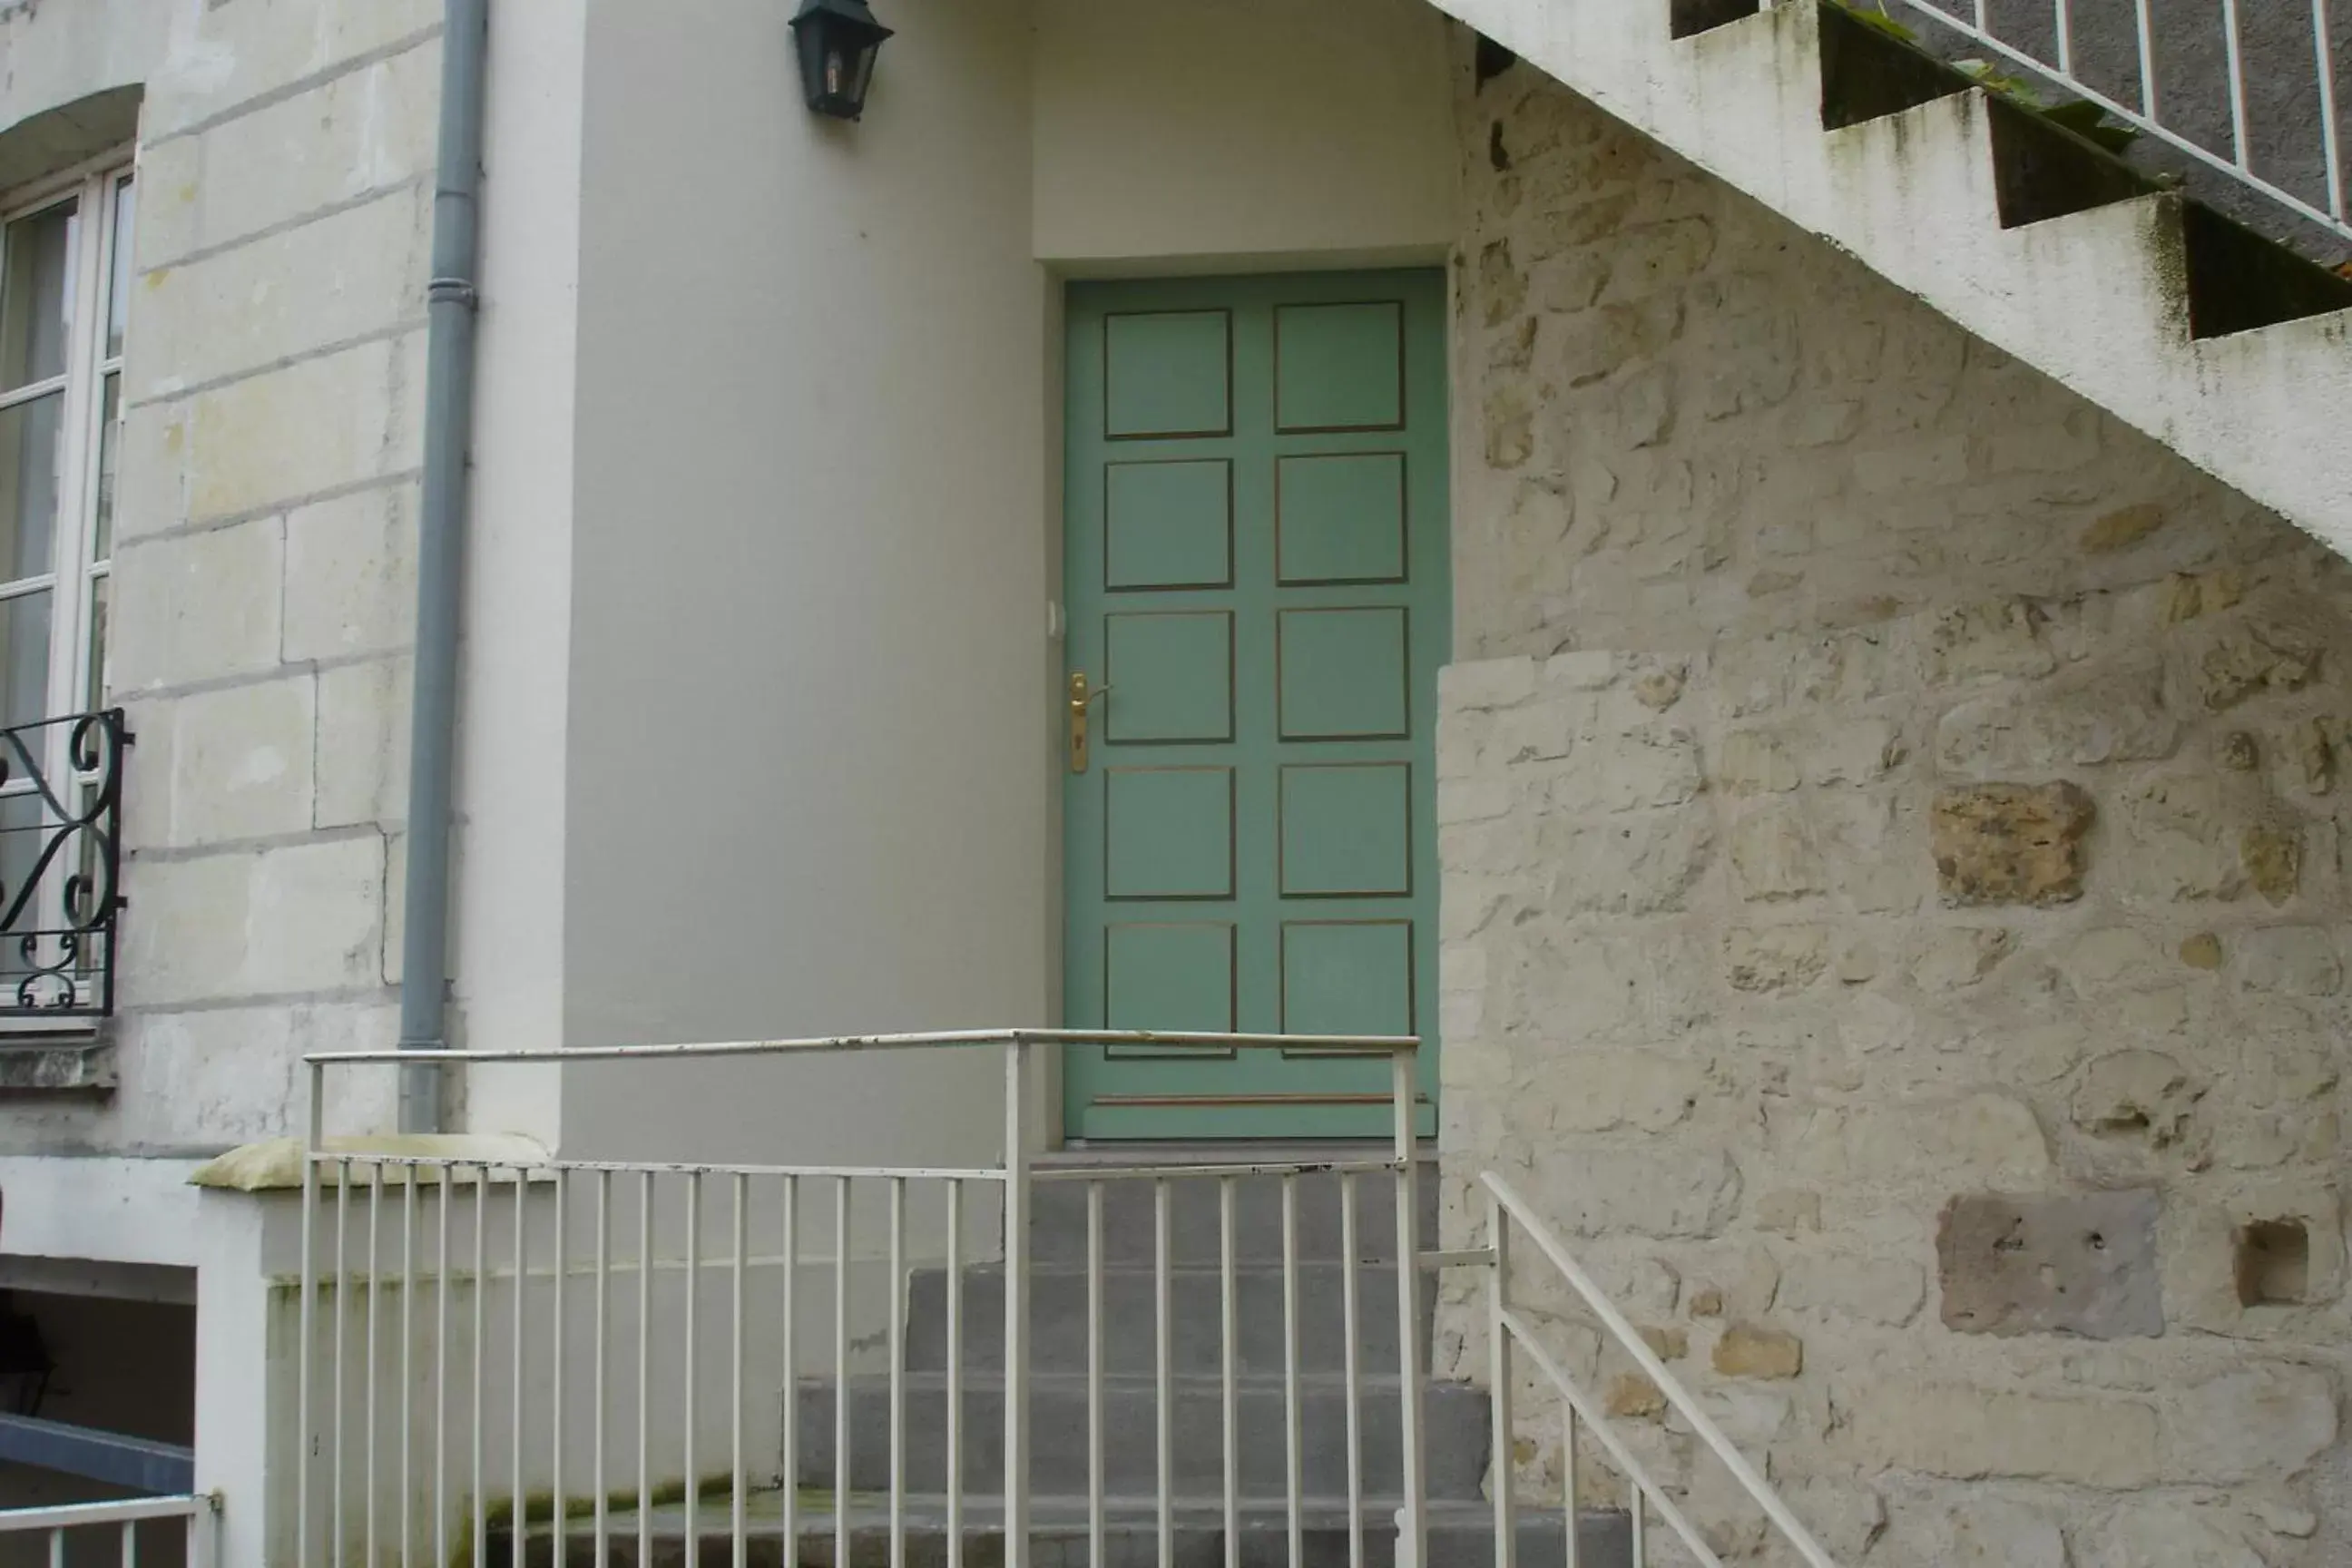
1234,132
809,751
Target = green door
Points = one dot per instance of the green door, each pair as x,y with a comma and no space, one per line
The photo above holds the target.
1256,570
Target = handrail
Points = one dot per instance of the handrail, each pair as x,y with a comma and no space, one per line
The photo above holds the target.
1394,1045
125,1510
1505,1202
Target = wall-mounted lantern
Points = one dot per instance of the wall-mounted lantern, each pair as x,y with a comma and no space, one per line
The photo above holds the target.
837,40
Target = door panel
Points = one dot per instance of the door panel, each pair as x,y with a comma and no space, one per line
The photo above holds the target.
1257,582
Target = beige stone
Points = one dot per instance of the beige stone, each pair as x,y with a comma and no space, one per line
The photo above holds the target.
2202,950
2274,861
1981,1532
2297,961
2263,1422
1887,1290
2120,716
1986,1141
1776,958
1972,1433
1775,855
1755,761
1745,1349
2011,844
2169,1533
1956,957
2121,529
1999,639
2140,1094
2260,658
1630,1396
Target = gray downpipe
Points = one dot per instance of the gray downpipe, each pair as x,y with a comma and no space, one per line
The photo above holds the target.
441,555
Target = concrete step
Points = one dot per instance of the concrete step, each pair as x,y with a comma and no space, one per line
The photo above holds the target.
1058,1212
1461,1536
1058,1319
1455,1419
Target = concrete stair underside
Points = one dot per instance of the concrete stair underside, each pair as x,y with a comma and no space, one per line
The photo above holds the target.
2216,343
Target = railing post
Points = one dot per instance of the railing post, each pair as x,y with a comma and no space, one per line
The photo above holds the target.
1413,1524
305,1355
1498,1364
1017,1303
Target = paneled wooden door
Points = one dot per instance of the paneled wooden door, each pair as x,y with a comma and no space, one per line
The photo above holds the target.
1256,570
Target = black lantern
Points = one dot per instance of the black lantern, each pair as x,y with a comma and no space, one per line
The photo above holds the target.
837,40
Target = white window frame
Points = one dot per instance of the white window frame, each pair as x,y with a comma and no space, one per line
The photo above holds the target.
77,574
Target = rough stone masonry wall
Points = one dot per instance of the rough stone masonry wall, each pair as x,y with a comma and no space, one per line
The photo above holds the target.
263,583
1893,825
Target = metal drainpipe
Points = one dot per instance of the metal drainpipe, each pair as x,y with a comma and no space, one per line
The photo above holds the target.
440,555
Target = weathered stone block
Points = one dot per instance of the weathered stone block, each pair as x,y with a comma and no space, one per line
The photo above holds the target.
2295,961
1641,864
359,132
1954,957
1985,1139
2001,639
2181,838
1479,684
1745,1349
1982,1532
241,761
1756,762
242,51
355,272
1775,857
1608,1089
1775,959
2117,717
2274,861
2264,1422
1888,1290
1658,1191
2011,844
351,575
364,743
2171,1532
2082,1264
2271,656
1971,1434
303,919
2137,1094
2122,529
198,606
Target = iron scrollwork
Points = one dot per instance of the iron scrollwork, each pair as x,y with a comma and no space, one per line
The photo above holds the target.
60,864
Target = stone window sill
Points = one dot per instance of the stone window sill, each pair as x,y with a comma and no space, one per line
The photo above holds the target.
56,1062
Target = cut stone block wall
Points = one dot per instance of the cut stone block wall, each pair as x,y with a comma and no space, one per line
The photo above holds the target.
264,567
1894,900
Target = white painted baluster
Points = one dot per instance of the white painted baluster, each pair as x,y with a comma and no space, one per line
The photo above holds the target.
603,1525
1641,1527
2147,29
955,1373
1229,1390
1017,1304
2240,150
518,1518
1293,1439
1163,1372
306,1358
1350,1350
557,1373
2066,37
2331,135
739,1493
897,1341
693,1364
441,1266
1569,1505
790,1466
1414,1479
646,1193
367,1394
480,1492
1094,1554
407,1355
56,1549
841,1369
1500,1387
336,1541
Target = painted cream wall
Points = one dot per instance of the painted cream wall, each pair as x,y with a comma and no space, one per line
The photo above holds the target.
507,931
808,761
1228,133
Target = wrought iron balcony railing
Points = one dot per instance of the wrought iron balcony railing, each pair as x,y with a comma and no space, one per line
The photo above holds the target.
60,865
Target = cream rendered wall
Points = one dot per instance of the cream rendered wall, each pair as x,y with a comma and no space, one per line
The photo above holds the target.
1178,137
811,736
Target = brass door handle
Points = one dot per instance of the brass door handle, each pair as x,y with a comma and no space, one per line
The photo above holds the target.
1082,697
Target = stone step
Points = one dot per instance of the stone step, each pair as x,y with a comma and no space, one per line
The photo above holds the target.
1058,1319
1455,1418
1460,1535
1058,1214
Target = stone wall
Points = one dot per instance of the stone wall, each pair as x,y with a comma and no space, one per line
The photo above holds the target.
264,575
1894,906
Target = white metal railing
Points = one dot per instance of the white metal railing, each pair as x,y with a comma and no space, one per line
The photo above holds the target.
1582,1412
2047,44
124,1525
544,1363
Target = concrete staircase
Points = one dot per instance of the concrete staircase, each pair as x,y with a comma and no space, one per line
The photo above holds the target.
1456,1418
2227,347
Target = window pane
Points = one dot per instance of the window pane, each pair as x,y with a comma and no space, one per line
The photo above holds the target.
118,292
25,658
36,295
96,686
109,410
29,485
